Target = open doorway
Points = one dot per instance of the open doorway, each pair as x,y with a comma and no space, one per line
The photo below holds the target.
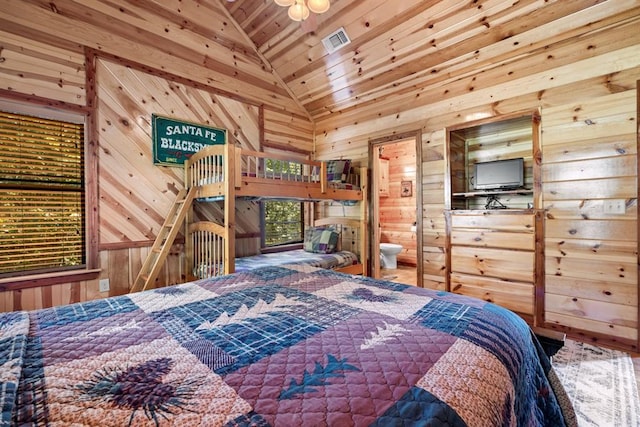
396,198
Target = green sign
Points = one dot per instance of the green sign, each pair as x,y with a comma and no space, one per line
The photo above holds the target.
176,140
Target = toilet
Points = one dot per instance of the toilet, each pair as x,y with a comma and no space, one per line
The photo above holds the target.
388,254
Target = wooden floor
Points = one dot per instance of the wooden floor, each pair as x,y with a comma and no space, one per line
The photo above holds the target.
402,274
407,275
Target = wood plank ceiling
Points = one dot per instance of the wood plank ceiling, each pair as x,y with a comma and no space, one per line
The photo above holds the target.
401,51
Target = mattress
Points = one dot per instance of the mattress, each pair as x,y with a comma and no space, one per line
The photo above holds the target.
297,256
276,346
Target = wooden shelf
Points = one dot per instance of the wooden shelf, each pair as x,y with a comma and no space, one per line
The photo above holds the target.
493,249
522,191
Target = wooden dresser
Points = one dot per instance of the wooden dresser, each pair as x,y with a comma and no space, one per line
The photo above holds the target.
493,256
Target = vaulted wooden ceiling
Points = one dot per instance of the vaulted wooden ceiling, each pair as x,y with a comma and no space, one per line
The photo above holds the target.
403,54
402,50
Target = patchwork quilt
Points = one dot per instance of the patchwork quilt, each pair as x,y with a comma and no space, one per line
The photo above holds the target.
297,256
277,346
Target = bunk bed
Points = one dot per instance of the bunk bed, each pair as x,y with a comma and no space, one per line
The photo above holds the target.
225,173
277,346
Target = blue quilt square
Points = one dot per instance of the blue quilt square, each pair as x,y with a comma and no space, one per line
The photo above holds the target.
81,312
269,274
447,317
392,286
248,420
418,407
250,324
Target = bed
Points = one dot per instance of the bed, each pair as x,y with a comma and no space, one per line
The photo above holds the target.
225,172
337,243
277,346
334,260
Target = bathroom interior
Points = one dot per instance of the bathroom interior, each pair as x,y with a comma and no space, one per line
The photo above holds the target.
396,214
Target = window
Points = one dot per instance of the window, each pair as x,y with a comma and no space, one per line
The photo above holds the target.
42,195
282,223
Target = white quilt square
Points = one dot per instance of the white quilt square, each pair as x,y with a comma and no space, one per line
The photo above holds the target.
379,300
170,297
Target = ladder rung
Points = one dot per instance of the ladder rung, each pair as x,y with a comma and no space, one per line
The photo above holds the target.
166,236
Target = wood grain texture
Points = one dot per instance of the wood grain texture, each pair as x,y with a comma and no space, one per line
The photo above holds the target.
397,213
518,296
165,59
120,266
591,256
193,40
493,262
37,68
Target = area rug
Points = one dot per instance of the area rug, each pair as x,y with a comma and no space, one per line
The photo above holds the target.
600,383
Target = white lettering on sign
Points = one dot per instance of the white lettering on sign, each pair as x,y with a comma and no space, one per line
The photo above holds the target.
191,130
169,143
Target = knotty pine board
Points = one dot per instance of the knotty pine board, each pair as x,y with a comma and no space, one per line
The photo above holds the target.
584,244
517,296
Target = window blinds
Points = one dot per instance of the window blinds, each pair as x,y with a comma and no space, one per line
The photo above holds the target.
41,194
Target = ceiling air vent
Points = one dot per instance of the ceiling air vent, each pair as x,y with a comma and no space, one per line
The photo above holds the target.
336,40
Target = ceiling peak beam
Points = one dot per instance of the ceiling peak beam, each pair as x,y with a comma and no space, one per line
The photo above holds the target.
267,64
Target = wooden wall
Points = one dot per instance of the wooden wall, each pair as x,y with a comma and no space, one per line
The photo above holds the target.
569,67
60,59
590,158
397,213
135,193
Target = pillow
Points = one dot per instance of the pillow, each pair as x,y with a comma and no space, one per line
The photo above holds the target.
338,170
320,240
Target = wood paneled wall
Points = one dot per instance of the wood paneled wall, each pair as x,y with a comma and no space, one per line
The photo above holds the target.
566,68
397,213
135,194
37,68
590,158
120,266
44,60
193,40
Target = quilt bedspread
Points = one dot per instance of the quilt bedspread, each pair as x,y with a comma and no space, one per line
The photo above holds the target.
281,346
297,256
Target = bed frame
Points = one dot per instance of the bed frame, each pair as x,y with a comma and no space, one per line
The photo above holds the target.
225,172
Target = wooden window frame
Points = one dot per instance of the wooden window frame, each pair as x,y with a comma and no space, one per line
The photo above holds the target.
38,107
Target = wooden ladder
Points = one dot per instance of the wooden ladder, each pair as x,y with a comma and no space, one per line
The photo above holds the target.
167,234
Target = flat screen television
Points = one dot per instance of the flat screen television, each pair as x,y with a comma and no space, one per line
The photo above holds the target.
499,174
